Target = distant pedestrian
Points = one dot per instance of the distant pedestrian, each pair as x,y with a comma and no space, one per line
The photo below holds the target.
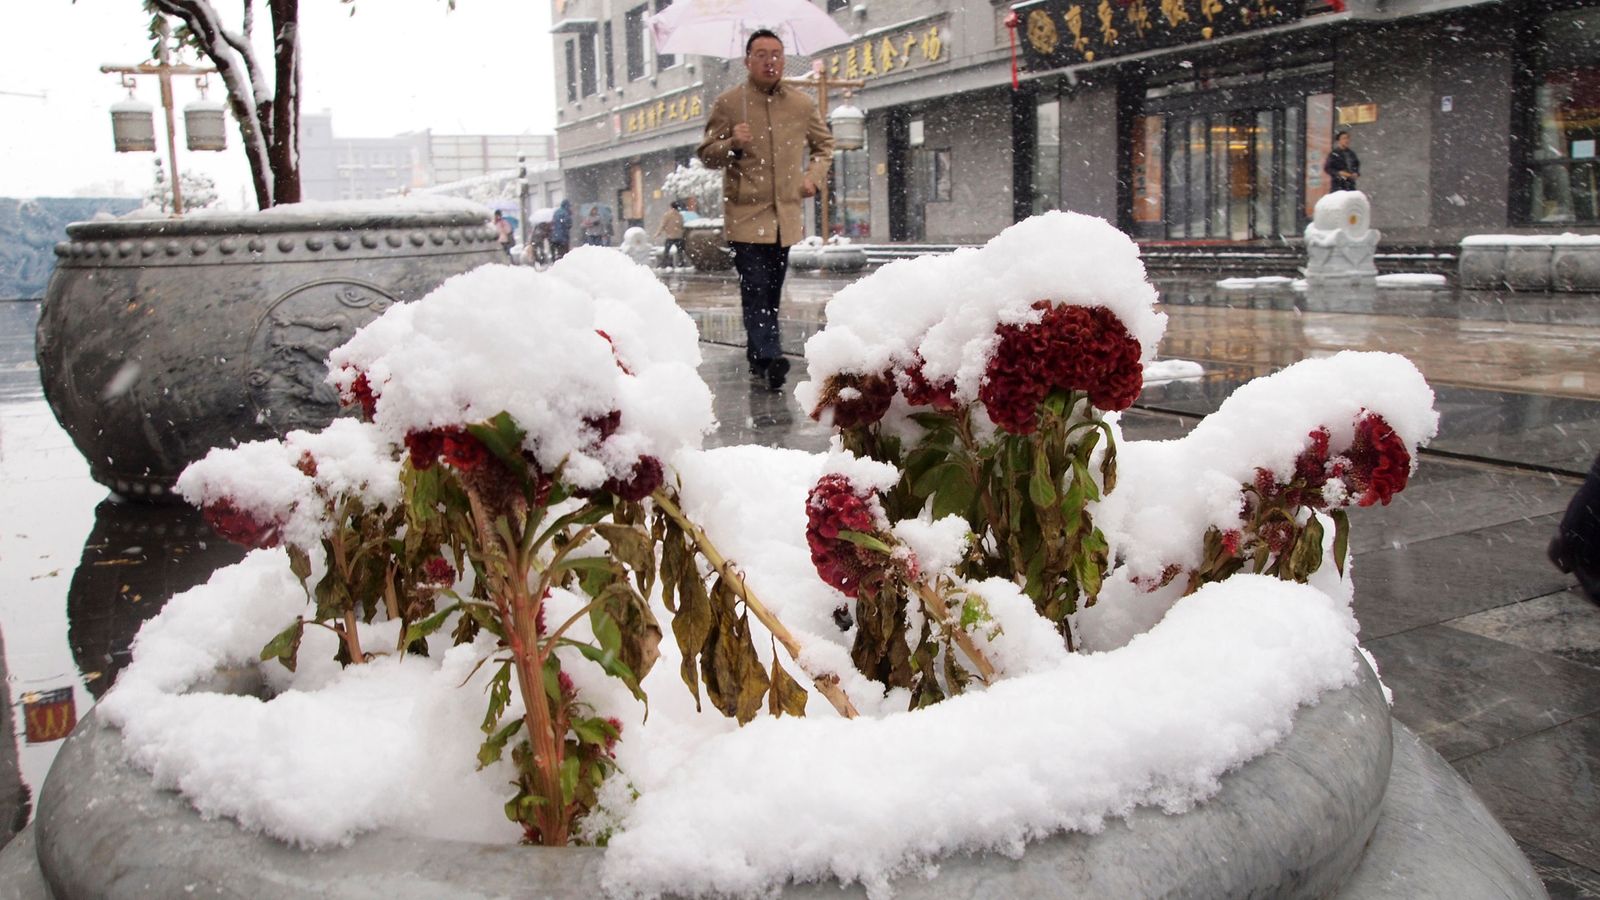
671,230
561,230
1576,546
505,235
596,228
773,148
1342,165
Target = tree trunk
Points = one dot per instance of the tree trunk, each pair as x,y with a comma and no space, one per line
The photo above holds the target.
283,153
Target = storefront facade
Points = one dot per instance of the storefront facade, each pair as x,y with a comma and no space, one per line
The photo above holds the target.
1178,120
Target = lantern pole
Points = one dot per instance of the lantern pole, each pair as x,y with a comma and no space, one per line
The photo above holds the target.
164,71
819,79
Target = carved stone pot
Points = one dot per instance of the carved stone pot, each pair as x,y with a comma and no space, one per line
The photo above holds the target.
706,246
162,338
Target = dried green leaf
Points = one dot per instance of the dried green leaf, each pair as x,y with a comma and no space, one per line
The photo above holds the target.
492,750
1341,538
955,493
499,690
416,631
1306,557
871,542
285,645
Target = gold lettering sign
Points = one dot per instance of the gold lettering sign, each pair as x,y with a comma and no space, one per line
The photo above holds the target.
1107,33
1175,12
879,56
662,113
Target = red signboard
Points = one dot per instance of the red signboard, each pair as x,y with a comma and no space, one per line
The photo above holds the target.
50,715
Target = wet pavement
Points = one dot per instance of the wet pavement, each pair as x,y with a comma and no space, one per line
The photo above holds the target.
1493,655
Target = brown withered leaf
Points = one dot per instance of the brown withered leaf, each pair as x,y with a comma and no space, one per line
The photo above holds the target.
735,680
676,560
631,545
880,650
692,625
786,696
641,634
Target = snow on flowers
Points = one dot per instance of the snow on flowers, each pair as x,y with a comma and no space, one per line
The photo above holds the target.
524,507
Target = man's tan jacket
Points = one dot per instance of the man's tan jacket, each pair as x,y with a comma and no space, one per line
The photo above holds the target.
761,202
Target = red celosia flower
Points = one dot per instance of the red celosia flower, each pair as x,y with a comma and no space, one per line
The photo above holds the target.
307,464
647,476
438,572
424,447
1311,466
614,736
564,682
462,450
604,426
855,399
1071,348
1380,463
240,526
920,392
361,393
834,506
1230,542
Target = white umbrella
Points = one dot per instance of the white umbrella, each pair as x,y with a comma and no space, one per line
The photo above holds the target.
719,27
542,216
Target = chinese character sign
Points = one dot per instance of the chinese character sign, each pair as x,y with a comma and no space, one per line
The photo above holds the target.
662,113
879,55
1060,33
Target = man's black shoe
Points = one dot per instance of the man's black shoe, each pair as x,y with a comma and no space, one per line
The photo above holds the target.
777,370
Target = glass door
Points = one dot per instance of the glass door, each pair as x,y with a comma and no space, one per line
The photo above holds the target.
1224,176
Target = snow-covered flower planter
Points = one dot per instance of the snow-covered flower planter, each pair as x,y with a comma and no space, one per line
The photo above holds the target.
161,338
1532,262
838,255
984,644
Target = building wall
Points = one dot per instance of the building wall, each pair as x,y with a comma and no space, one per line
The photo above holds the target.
1471,158
1391,66
1089,149
977,131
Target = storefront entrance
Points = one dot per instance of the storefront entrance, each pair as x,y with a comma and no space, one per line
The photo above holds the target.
1236,164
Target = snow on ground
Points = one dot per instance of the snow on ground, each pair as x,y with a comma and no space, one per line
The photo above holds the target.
1412,279
1238,284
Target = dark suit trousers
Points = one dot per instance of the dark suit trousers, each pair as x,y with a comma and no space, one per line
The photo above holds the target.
761,269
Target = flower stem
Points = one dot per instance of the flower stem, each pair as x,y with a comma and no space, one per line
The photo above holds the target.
519,614
934,604
827,683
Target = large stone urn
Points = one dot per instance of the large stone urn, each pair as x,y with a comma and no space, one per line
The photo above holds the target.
162,338
706,246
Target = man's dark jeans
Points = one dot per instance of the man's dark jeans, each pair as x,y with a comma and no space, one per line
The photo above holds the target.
761,269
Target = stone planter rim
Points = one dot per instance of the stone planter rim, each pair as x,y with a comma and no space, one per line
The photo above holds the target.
1293,822
269,222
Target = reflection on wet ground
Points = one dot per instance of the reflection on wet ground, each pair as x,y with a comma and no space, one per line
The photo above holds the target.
1493,656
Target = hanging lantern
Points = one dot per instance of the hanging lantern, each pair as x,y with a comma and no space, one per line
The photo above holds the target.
133,126
205,125
849,126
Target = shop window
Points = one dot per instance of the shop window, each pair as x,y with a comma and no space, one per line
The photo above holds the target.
586,66
1319,143
664,60
1564,149
1047,157
572,73
610,57
1149,132
633,41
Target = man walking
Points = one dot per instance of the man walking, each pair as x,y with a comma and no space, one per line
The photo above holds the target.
1342,165
773,148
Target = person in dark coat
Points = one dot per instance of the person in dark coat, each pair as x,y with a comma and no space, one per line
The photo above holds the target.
561,230
1576,547
1343,166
